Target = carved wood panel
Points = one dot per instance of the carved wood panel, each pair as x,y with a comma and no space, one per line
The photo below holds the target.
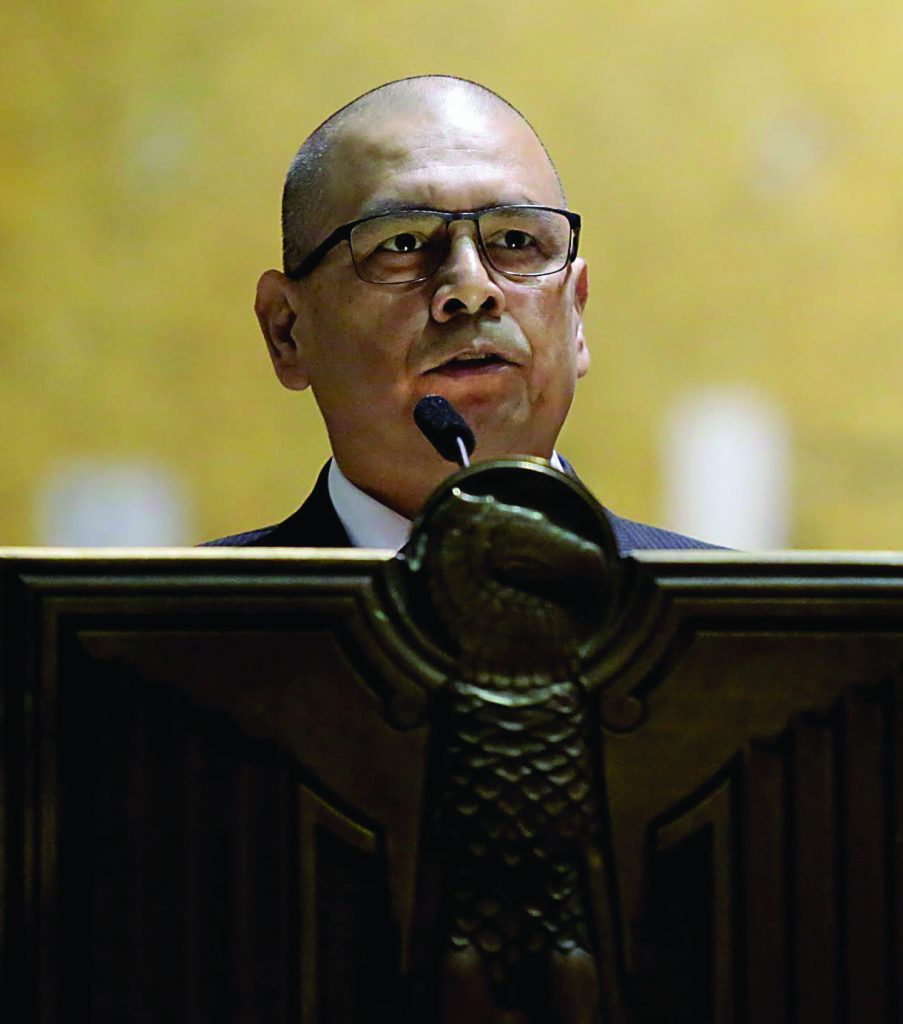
220,778
770,893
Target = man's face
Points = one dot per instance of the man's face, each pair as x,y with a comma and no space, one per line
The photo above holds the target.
371,351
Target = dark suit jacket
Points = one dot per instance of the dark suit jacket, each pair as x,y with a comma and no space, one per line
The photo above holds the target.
316,525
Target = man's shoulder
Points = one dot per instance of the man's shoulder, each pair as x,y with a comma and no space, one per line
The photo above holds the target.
250,538
633,536
315,525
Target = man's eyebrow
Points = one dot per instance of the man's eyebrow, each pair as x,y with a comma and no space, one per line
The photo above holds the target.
380,207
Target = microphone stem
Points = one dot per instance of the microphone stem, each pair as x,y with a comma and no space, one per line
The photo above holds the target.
465,459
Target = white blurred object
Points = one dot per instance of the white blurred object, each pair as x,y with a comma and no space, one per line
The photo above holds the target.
726,469
790,150
93,503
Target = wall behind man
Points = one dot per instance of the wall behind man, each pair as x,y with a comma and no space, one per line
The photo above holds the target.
737,166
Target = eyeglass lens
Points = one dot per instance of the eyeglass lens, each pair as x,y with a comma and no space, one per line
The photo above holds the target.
518,241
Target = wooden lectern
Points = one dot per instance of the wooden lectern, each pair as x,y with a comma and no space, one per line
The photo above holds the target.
505,776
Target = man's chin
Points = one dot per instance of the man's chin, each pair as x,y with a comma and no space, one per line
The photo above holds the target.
504,437
500,414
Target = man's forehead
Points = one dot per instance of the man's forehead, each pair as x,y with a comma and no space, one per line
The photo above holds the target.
437,111
383,153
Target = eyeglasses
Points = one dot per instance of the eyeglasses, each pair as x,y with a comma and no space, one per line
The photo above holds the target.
411,245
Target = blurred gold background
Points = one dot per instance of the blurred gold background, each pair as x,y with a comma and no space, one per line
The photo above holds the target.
738,168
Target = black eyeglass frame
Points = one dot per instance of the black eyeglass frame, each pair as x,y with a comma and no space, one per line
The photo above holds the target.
343,233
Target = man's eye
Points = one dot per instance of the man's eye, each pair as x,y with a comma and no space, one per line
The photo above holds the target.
512,239
407,241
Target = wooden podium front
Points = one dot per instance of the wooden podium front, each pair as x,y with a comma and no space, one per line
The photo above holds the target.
289,786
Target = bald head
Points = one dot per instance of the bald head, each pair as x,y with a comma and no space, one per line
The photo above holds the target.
451,106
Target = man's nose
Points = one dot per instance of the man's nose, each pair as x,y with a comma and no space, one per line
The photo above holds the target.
463,283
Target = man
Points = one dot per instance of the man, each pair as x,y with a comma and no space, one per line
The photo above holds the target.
428,249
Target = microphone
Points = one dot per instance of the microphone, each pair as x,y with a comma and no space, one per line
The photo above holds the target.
445,429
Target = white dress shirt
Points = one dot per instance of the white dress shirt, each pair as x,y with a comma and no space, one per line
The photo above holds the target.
368,522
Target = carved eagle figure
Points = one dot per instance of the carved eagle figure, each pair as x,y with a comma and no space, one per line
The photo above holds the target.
516,809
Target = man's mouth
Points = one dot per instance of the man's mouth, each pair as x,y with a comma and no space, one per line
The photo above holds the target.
470,364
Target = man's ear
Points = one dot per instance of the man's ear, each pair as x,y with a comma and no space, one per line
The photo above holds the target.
581,294
277,321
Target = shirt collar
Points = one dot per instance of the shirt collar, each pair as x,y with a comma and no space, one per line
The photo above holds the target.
368,522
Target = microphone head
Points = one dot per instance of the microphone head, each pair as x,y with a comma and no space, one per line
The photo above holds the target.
442,424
